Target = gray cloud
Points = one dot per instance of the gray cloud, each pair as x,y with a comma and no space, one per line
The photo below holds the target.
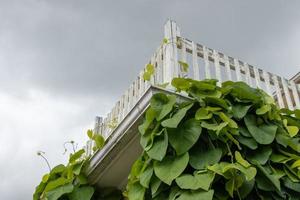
63,62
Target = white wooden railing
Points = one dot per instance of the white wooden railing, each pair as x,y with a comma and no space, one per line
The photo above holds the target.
203,63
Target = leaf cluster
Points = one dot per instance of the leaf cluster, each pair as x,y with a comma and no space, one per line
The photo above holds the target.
69,182
226,142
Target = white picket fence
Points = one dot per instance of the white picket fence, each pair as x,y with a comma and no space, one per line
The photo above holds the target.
203,63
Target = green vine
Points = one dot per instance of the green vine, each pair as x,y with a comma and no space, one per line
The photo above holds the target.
69,182
222,142
228,142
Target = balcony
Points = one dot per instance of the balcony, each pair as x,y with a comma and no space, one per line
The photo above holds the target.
111,165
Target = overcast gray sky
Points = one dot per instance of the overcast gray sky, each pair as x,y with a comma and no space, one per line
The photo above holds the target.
62,62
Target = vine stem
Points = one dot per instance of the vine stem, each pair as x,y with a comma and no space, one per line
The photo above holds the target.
40,154
229,151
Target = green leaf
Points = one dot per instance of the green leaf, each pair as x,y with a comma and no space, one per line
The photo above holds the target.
145,177
244,92
216,101
136,192
163,85
74,157
296,164
233,184
261,156
214,127
147,76
150,68
148,72
286,140
56,183
150,116
291,185
159,148
248,142
137,168
99,140
271,177
196,195
225,118
263,134
202,113
77,168
174,193
38,190
200,158
57,169
170,167
185,136
244,132
181,84
175,119
263,110
240,110
241,160
196,181
45,178
82,193
223,167
154,184
162,104
90,133
246,188
184,66
59,191
292,130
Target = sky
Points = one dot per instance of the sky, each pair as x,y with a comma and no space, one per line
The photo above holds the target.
63,62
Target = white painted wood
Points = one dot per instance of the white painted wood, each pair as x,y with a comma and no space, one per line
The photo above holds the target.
287,93
160,67
152,62
196,71
141,83
295,94
227,66
278,92
247,74
125,103
267,82
183,57
217,67
130,99
136,90
146,83
206,63
171,65
237,69
165,61
257,77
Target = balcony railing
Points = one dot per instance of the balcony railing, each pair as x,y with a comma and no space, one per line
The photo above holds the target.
203,62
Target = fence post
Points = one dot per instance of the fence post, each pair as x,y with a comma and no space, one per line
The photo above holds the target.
171,68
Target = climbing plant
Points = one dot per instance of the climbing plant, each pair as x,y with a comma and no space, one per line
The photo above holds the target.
222,142
69,182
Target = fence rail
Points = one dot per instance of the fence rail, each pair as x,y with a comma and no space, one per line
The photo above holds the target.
203,63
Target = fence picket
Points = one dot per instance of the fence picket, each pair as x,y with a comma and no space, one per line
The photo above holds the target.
237,69
227,66
287,93
257,77
217,66
295,94
206,62
278,92
196,72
